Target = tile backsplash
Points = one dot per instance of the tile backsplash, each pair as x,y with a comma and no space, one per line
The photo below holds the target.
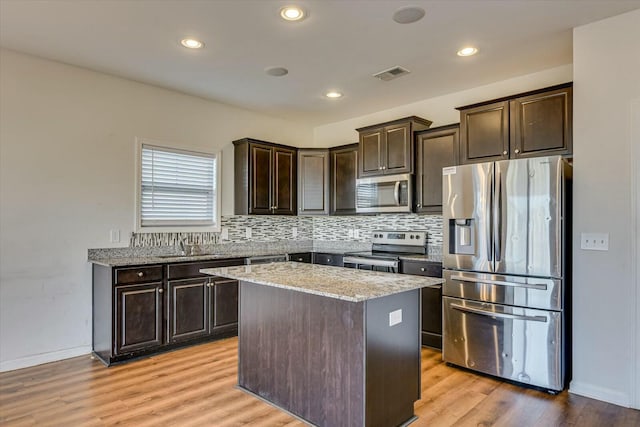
316,228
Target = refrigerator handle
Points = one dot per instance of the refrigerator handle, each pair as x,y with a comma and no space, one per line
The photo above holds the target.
498,315
497,217
490,221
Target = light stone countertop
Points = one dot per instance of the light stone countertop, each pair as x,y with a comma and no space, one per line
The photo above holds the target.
347,284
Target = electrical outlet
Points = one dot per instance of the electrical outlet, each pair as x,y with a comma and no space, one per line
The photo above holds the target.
395,317
356,233
114,236
294,232
350,233
594,241
248,232
224,233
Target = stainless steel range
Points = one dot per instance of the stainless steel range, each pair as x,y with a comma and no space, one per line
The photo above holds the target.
387,248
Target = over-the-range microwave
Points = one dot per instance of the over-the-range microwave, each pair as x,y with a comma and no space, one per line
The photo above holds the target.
384,194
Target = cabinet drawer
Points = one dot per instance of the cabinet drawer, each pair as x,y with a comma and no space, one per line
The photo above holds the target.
300,257
138,274
328,259
431,269
192,269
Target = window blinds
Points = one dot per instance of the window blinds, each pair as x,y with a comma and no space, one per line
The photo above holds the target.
178,188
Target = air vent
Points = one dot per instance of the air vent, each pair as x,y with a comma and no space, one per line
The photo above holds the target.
391,73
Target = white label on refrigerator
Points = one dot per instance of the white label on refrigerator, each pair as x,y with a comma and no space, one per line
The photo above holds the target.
451,170
395,317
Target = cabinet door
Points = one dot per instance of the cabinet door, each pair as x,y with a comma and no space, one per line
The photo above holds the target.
225,304
187,309
284,182
371,152
435,149
484,133
313,182
138,317
344,172
541,124
398,149
261,175
432,317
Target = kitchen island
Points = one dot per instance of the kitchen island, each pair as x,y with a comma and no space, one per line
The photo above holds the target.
333,346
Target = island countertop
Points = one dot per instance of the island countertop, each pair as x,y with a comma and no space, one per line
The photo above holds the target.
347,284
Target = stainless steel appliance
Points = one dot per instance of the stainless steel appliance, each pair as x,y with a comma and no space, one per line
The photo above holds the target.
391,193
506,278
386,250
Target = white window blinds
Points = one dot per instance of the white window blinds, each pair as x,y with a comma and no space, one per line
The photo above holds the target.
178,188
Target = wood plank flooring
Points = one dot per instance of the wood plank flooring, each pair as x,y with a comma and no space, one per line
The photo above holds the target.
195,387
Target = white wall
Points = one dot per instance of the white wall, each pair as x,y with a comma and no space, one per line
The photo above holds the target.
606,83
67,177
441,110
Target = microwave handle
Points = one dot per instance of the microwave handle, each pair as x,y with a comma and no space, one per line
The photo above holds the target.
396,193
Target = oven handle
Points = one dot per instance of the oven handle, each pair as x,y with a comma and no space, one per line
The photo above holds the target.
538,286
366,261
500,315
396,193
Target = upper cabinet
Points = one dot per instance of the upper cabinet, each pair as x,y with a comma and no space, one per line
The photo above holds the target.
533,124
313,182
265,178
387,148
436,148
343,175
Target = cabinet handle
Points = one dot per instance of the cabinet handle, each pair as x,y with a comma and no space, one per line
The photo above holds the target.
160,290
517,150
140,274
504,153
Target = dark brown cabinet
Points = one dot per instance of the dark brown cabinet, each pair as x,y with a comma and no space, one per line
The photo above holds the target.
436,148
431,301
142,310
537,123
387,148
138,317
265,178
313,182
328,259
343,175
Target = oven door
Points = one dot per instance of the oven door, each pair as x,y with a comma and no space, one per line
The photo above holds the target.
391,193
371,264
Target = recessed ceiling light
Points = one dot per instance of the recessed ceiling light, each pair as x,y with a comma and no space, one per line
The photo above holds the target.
292,13
467,51
192,43
333,94
408,15
276,71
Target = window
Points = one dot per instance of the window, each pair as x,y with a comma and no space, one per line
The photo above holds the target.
177,189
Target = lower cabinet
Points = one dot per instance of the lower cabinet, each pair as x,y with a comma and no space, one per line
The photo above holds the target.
143,310
431,301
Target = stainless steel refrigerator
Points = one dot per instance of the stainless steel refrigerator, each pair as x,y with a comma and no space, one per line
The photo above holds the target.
506,291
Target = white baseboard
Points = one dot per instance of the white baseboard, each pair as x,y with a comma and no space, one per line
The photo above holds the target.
39,359
600,393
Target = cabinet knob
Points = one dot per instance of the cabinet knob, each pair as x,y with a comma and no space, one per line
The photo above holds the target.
504,153
328,259
140,274
384,167
299,259
517,150
419,205
160,290
379,167
422,269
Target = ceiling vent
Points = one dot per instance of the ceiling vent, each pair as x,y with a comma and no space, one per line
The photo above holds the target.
391,73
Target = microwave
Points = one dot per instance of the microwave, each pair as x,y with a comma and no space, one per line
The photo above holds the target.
384,194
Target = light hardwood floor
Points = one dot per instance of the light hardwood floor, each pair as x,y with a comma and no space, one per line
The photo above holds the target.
195,387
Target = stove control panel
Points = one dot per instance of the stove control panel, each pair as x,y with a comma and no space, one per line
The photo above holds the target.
404,238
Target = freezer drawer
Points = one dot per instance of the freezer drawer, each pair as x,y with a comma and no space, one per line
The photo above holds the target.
518,344
531,292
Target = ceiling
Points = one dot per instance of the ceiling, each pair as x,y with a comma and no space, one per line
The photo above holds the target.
338,46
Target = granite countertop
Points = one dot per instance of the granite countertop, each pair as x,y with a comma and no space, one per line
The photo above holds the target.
144,260
334,282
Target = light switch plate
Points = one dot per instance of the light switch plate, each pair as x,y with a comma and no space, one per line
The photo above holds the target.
594,241
350,233
114,236
356,233
224,233
248,232
395,317
294,232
